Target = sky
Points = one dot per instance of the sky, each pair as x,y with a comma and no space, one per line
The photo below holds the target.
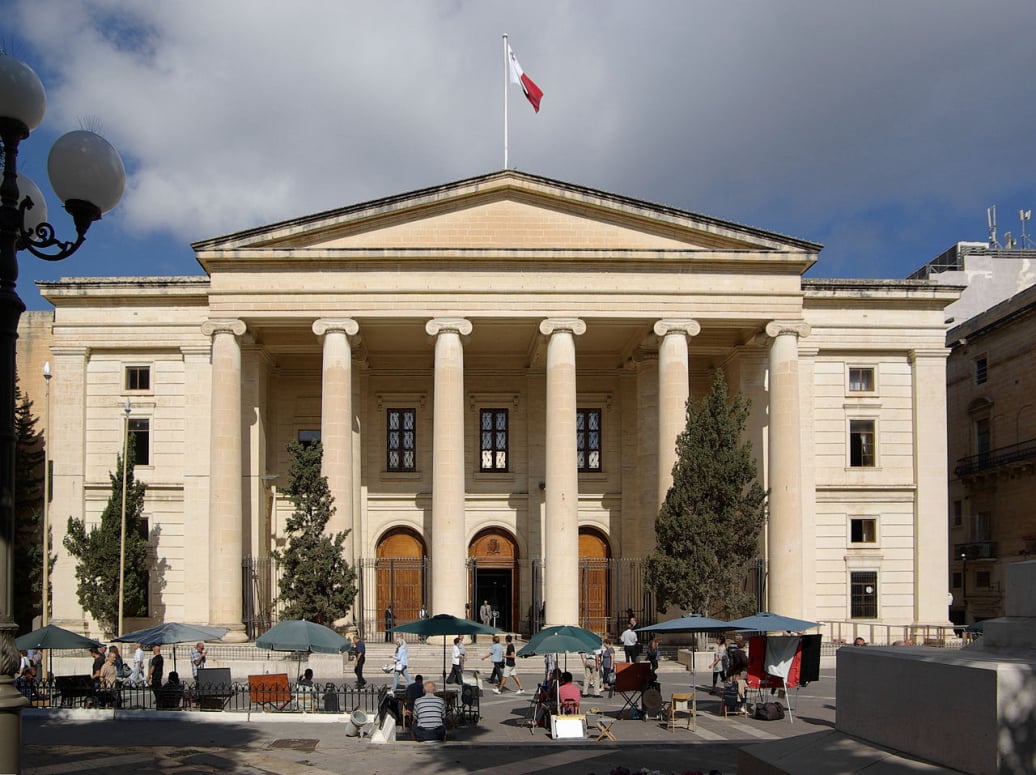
881,129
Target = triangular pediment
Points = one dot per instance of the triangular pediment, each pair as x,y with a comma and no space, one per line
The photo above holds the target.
510,211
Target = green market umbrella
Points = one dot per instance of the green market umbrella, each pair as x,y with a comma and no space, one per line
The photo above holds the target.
764,621
560,639
444,624
54,638
300,635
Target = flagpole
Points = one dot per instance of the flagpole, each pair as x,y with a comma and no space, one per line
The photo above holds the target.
506,64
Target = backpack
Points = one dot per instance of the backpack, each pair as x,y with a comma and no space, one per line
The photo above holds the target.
738,661
769,711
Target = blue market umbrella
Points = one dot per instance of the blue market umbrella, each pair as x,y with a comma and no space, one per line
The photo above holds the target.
765,621
689,623
172,633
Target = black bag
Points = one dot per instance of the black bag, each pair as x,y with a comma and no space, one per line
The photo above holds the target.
331,699
769,711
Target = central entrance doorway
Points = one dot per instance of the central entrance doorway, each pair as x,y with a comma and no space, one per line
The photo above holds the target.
493,565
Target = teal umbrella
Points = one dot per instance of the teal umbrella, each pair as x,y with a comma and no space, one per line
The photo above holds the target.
689,623
54,637
444,624
300,635
764,621
560,639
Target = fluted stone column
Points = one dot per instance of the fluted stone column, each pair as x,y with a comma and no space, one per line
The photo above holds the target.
336,416
449,578
225,502
561,539
785,484
674,388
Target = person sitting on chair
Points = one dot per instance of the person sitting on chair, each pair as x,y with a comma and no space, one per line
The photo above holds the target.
170,696
568,694
735,692
429,715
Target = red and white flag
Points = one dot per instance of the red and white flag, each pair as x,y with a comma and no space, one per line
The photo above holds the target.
532,92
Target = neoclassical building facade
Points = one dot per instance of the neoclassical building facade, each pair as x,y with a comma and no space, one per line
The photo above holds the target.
498,370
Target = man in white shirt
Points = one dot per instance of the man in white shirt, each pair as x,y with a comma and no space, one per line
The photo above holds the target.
456,675
630,644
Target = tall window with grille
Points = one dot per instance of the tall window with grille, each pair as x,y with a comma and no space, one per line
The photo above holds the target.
863,595
140,439
493,439
861,443
588,439
401,441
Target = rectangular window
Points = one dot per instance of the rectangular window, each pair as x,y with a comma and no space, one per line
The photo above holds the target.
982,436
981,370
140,440
863,530
861,379
863,594
958,513
138,378
982,579
956,579
983,526
307,437
493,432
861,443
588,439
401,440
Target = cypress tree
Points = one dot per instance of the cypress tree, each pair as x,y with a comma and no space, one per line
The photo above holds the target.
28,501
709,525
316,582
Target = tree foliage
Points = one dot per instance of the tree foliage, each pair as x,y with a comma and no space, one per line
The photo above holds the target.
708,528
28,502
317,583
96,551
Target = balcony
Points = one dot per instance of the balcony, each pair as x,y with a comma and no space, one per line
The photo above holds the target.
976,550
1014,454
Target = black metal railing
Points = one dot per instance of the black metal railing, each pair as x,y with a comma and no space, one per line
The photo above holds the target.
236,696
976,550
995,458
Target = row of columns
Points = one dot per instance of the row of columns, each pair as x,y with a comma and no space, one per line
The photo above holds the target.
561,540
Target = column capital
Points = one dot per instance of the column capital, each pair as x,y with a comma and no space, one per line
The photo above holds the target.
686,327
347,326
437,326
223,326
574,326
939,354
799,328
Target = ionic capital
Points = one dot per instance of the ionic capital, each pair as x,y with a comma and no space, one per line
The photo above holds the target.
437,326
223,326
798,328
347,326
686,327
574,326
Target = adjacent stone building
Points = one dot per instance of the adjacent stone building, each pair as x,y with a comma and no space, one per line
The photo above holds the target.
497,369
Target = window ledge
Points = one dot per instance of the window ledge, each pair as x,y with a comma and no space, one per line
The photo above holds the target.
400,476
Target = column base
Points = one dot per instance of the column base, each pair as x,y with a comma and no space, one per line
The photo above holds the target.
235,635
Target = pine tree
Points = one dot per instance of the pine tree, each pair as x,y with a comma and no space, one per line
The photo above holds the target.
316,581
708,528
97,552
28,501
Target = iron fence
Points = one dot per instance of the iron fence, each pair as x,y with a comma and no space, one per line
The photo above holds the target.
235,696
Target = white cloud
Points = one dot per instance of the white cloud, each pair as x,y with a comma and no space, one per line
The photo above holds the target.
785,115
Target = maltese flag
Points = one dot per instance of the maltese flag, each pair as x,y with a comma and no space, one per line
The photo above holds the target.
533,93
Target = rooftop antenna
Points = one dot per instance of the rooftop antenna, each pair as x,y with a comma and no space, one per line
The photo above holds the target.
991,222
1009,241
1023,216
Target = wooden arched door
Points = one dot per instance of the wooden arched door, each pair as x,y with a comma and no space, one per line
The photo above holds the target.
493,559
400,567
594,579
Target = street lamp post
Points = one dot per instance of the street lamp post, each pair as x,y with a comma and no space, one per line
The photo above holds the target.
88,175
964,584
45,617
127,408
